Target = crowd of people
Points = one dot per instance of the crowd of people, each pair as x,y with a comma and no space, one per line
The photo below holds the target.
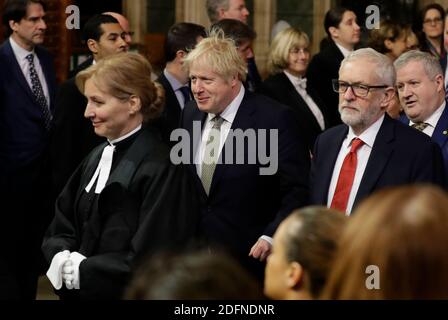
211,182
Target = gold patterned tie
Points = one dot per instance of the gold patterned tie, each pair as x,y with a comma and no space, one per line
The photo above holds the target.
420,126
211,153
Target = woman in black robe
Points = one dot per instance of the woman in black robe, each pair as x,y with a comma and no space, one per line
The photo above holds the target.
126,200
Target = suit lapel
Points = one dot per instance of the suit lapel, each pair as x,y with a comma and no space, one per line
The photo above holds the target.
291,91
381,152
326,169
440,135
243,120
17,71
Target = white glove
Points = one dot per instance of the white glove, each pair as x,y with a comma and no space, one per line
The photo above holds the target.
70,272
67,274
54,273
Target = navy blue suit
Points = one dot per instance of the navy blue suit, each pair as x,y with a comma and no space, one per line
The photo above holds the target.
400,155
440,135
243,205
24,171
169,120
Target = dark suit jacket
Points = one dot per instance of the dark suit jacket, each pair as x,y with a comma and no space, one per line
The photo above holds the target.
280,88
170,117
147,205
23,136
324,67
440,135
400,155
242,204
81,67
24,170
73,135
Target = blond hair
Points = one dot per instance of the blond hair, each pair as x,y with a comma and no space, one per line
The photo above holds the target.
282,44
124,75
220,54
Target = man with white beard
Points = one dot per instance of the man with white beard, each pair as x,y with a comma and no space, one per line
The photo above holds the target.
370,150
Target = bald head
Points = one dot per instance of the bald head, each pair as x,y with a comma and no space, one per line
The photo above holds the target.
124,23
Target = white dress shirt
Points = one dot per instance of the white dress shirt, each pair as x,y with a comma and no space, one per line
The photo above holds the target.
446,73
344,51
300,86
432,120
363,154
21,55
176,85
228,115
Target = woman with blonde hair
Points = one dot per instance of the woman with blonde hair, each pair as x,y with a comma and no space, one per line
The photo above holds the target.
126,199
394,247
288,61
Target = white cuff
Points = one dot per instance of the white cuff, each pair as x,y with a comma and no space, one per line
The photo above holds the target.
54,273
76,258
268,239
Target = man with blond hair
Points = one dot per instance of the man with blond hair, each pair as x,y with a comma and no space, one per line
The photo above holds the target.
242,204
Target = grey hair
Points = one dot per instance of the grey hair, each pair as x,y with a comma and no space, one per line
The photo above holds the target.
384,71
430,63
213,6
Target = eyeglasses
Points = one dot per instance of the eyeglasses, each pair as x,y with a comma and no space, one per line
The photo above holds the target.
431,21
360,90
296,50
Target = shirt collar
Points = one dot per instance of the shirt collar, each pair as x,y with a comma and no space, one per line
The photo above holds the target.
369,135
112,142
229,113
296,81
19,52
175,84
344,51
434,118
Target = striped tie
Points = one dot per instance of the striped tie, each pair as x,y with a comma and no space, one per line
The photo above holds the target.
211,153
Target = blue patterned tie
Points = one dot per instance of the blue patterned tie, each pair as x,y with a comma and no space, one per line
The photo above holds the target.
38,92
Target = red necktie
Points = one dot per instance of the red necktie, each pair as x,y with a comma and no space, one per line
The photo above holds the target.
346,177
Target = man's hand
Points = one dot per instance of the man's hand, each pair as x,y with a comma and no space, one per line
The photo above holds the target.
260,250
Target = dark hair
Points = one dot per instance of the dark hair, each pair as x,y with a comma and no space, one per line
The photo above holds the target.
182,36
192,276
310,238
430,6
236,30
16,10
333,18
92,29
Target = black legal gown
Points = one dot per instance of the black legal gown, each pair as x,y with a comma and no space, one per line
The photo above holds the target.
148,205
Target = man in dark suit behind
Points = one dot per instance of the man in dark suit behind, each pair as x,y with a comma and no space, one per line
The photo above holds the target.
244,197
370,151
343,34
420,86
27,86
181,38
73,136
